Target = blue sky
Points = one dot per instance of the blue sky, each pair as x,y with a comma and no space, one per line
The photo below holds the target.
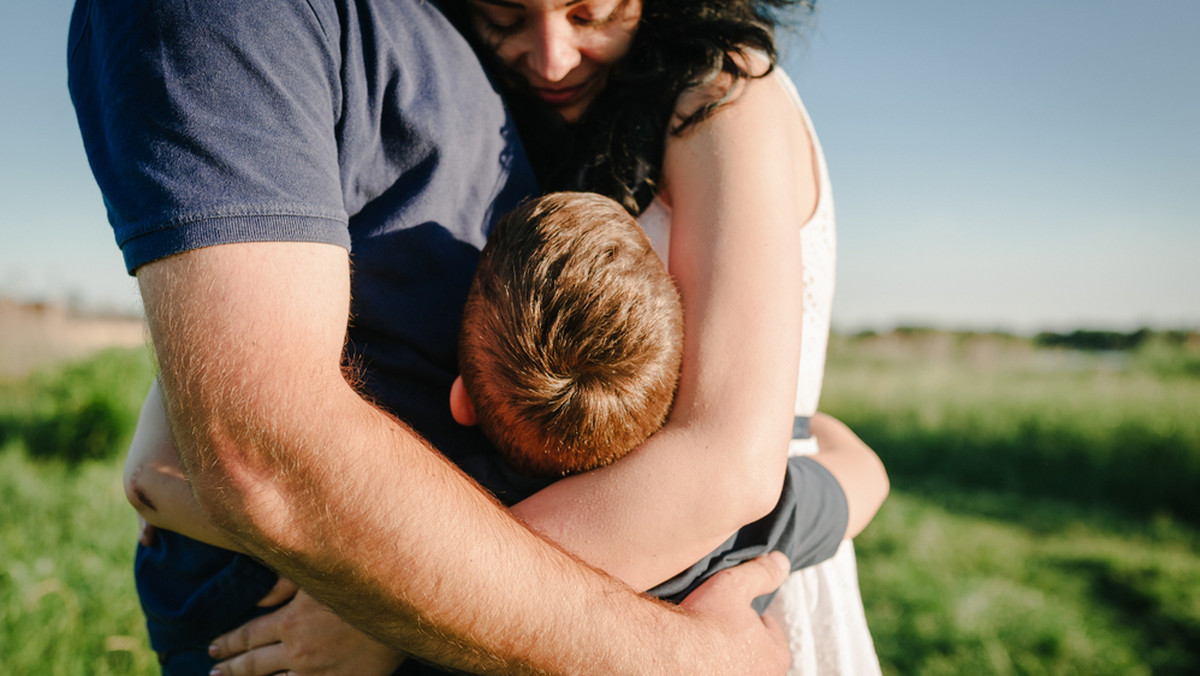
1023,165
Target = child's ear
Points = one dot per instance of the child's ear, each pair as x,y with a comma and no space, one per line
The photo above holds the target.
460,404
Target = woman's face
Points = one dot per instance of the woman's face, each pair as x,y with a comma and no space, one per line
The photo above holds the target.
562,49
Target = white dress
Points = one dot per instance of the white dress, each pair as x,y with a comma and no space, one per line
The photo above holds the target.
819,607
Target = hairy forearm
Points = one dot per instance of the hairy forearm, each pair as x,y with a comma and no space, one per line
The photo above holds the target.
445,557
293,465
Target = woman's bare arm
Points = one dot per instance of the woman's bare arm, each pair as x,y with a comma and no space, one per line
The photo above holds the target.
739,184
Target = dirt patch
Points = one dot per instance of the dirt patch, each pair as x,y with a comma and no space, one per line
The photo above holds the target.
34,334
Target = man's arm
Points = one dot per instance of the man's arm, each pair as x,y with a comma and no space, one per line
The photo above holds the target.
291,464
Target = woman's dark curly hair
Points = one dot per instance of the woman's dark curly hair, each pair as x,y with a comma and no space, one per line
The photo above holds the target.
616,149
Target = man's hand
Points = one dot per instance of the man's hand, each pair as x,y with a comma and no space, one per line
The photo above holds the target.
724,599
303,638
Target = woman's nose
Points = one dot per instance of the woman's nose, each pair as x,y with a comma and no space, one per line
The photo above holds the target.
555,50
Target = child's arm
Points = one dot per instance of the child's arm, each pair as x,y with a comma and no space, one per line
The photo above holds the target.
856,467
154,482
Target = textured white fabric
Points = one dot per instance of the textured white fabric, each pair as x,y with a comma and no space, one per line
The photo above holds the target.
819,607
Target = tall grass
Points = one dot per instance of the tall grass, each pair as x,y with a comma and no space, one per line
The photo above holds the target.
67,601
1044,506
964,582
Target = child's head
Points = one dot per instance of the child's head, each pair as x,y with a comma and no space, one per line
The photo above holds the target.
572,336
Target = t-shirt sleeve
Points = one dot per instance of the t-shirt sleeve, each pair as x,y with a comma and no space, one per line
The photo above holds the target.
209,122
808,525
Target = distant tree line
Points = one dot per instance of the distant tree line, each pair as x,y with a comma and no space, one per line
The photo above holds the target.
1079,339
1110,340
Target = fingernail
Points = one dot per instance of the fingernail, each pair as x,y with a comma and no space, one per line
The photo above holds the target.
215,672
213,651
781,560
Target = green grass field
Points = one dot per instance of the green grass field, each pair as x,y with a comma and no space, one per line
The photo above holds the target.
67,603
1041,520
1044,512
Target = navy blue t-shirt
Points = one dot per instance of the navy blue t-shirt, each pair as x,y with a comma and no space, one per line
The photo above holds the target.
367,124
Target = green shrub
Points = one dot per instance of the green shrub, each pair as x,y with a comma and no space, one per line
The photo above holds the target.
81,411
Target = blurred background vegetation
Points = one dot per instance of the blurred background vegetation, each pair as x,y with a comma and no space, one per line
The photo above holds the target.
1044,514
1044,517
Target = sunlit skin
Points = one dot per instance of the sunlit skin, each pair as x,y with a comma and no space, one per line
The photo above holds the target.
561,50
737,184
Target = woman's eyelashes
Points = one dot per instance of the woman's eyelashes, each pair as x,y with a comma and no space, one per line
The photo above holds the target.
585,18
508,21
599,15
502,25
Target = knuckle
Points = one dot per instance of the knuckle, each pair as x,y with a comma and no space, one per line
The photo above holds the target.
295,652
243,637
232,667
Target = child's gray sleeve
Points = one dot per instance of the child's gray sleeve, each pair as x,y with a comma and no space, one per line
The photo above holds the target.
808,524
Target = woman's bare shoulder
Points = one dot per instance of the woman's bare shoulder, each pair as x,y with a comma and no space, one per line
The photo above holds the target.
727,91
759,128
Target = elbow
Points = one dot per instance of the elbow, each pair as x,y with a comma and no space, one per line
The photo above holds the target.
764,492
218,470
882,484
241,485
873,491
136,493
751,488
225,484
885,483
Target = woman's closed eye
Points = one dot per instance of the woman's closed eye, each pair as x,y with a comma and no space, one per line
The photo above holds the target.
599,14
502,19
586,18
510,22
498,18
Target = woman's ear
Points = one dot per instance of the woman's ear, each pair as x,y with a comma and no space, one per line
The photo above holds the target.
461,407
